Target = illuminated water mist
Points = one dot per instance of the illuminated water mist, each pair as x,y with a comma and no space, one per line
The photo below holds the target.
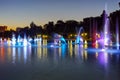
63,40
13,40
59,38
0,40
79,39
106,29
19,40
117,34
25,42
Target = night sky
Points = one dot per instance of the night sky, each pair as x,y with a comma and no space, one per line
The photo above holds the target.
20,13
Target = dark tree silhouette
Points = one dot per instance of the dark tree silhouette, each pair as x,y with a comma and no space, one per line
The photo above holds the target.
49,28
60,27
71,26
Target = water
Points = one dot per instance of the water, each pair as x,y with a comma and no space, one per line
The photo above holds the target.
59,39
106,28
13,40
68,62
79,39
117,33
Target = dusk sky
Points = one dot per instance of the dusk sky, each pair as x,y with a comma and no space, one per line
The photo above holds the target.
20,13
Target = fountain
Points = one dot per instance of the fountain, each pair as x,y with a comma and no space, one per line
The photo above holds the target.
105,39
19,40
58,38
79,39
105,36
57,41
30,39
0,40
62,39
25,42
117,34
13,40
106,29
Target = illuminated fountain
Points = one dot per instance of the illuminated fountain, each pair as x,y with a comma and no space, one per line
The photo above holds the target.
79,39
25,42
35,40
106,29
58,40
19,40
38,41
30,39
13,41
117,34
62,39
105,36
105,41
8,42
0,40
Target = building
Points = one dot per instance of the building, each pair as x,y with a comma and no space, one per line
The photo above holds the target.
3,28
115,24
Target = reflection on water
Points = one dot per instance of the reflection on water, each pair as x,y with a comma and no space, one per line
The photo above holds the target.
108,62
2,55
13,54
24,54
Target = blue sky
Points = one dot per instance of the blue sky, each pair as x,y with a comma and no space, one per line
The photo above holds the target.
20,13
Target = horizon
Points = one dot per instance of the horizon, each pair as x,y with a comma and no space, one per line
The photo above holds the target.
20,13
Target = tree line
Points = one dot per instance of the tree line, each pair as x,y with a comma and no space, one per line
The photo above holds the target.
60,27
